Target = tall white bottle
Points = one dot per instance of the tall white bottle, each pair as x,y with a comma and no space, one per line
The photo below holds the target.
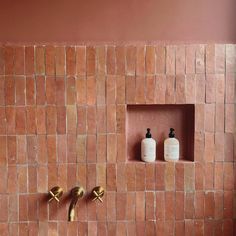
148,148
171,147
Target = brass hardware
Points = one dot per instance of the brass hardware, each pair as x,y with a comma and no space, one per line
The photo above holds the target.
98,193
55,193
76,193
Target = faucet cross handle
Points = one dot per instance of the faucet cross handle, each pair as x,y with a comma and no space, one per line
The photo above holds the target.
55,193
98,193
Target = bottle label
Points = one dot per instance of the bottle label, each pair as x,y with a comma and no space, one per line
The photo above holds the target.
148,152
172,151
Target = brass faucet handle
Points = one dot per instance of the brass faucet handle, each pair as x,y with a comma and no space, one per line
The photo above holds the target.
55,193
98,193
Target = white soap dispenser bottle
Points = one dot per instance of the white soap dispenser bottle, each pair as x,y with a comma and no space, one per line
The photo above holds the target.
171,147
148,148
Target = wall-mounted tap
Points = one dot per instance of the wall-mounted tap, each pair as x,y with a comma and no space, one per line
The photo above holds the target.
76,194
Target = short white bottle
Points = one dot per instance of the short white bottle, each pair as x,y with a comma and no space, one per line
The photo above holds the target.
148,148
171,147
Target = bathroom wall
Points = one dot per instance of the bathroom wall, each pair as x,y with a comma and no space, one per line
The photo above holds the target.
62,122
76,21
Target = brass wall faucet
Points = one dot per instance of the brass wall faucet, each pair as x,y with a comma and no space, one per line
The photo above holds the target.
76,193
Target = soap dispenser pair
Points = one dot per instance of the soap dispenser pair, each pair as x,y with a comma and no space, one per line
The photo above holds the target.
171,147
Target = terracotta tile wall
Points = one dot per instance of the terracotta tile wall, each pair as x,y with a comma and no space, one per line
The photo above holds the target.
62,122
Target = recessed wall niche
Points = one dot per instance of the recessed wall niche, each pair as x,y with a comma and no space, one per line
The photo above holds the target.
160,118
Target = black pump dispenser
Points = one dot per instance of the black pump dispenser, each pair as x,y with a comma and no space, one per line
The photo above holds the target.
148,134
172,133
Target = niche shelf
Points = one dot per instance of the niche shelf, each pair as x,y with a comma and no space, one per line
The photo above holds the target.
160,118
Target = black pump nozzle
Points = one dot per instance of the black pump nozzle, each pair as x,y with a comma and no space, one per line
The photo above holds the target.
172,133
148,134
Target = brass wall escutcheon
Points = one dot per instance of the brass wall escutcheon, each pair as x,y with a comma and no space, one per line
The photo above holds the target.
55,193
98,193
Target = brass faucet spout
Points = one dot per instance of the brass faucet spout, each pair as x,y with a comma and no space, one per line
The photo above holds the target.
76,193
